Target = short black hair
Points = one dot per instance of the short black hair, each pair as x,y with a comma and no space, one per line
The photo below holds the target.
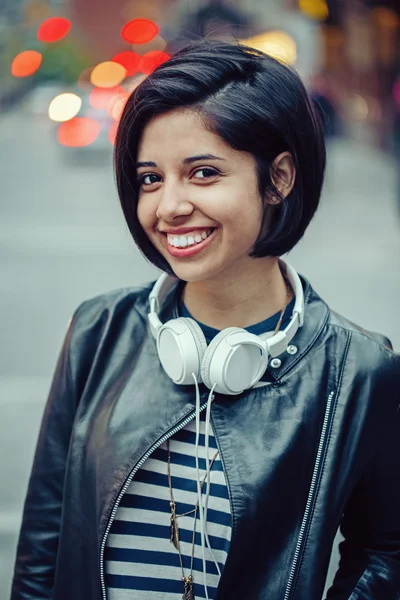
256,104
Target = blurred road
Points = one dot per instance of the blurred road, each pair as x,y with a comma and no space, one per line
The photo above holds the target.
63,239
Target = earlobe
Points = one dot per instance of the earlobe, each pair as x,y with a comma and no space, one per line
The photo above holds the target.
274,200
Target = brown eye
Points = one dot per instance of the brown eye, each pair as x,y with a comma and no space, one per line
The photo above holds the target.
205,172
148,179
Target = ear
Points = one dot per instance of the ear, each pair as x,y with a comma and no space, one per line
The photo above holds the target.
283,175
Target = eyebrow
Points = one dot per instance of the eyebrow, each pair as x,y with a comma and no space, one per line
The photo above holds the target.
186,161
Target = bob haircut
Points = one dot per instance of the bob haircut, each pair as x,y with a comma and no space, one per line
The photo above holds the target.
257,105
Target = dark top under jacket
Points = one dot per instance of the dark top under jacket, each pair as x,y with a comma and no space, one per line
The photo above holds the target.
315,448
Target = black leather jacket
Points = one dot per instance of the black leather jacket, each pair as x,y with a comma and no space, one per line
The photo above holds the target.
317,447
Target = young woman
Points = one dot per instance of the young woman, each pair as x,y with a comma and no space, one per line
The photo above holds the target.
207,434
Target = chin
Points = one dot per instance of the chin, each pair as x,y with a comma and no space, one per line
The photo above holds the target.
193,273
189,275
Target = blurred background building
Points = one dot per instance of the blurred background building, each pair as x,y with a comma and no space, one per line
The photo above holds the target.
348,50
66,69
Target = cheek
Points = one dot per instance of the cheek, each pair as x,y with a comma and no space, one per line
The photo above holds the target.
145,214
246,214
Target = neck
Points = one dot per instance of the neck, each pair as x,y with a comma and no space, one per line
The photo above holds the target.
256,295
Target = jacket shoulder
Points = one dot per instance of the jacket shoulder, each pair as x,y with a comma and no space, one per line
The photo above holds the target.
364,336
122,300
371,355
99,322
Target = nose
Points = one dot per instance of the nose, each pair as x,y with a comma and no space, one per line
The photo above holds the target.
173,203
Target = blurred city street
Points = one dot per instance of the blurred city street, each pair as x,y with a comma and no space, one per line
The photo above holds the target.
63,239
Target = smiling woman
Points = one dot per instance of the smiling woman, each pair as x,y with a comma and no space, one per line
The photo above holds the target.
237,96
205,435
197,186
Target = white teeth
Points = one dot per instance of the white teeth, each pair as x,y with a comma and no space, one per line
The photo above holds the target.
181,241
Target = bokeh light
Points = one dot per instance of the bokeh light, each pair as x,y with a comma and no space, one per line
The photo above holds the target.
139,31
53,29
316,9
64,107
78,132
105,98
157,43
108,74
129,60
357,107
116,107
276,43
26,63
153,59
112,133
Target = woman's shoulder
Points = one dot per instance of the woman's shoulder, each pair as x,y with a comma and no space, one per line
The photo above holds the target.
345,330
121,300
369,355
112,314
362,352
362,335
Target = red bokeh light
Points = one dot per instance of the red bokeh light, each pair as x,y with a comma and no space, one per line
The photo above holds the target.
53,29
129,60
139,31
78,132
26,63
103,98
112,133
152,59
116,107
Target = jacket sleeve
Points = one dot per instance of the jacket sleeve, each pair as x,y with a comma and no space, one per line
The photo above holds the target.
38,540
370,553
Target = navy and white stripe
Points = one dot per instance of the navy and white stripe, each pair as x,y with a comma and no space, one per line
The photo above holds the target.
141,563
140,560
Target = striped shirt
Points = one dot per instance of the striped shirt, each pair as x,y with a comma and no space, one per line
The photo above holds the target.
141,562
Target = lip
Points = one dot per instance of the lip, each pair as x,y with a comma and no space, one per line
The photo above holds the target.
183,230
189,250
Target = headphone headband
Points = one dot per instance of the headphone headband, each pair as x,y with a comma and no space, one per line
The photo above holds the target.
165,283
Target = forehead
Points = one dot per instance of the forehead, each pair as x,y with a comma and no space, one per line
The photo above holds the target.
182,133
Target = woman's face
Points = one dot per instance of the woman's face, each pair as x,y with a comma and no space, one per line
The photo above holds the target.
199,202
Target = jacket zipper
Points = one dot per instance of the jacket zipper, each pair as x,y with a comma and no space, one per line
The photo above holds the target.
127,483
310,499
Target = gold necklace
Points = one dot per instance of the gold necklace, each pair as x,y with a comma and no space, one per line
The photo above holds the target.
188,593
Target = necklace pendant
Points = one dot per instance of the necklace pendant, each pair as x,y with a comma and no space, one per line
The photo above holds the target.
174,538
188,593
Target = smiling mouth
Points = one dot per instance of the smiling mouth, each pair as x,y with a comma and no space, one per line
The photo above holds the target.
182,241
188,245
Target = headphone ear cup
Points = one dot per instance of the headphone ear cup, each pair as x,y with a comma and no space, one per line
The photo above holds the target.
181,346
234,360
199,340
207,358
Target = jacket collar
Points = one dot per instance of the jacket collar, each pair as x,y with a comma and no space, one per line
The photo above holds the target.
316,314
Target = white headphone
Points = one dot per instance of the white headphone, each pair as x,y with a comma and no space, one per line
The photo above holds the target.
235,360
